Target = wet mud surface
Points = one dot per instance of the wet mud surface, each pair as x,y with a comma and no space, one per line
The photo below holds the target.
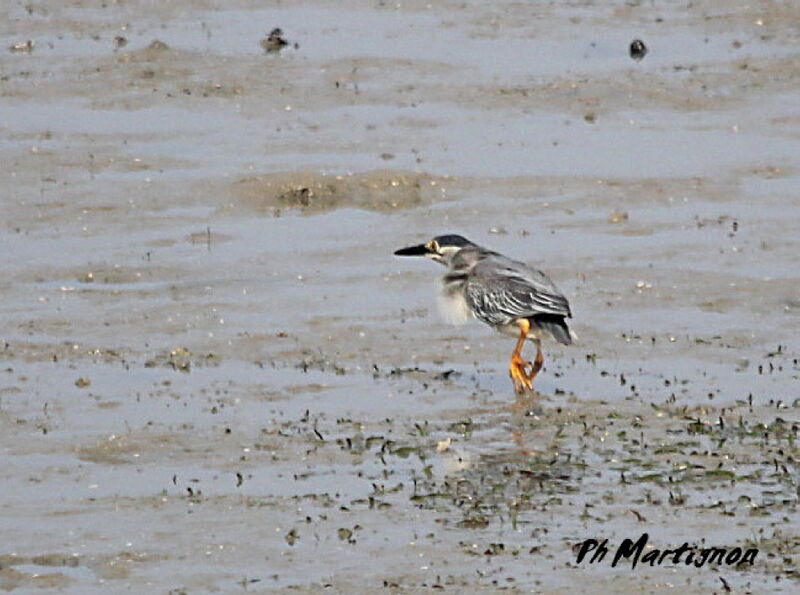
216,377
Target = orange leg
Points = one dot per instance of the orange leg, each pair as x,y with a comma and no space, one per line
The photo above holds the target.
516,367
537,363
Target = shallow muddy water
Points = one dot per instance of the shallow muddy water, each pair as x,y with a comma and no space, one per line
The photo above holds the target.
216,376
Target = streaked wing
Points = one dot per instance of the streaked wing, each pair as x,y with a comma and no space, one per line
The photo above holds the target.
500,290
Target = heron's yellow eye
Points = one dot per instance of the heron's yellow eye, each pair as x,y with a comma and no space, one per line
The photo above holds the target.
433,246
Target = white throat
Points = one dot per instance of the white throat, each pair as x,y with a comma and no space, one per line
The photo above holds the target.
452,305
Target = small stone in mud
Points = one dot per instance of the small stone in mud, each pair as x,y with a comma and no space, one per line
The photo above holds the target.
120,42
158,46
618,216
180,359
274,42
590,117
22,47
638,50
301,196
82,382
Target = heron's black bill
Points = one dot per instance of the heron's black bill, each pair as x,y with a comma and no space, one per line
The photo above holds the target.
420,250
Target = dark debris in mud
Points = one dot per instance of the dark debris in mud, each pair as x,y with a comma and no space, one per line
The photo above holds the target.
516,484
274,42
181,359
600,464
637,50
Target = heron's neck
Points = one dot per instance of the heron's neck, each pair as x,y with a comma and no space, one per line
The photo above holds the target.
455,278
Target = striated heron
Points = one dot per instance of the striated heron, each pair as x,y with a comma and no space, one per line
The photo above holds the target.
508,295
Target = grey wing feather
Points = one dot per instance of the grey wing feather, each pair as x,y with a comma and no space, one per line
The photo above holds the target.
500,290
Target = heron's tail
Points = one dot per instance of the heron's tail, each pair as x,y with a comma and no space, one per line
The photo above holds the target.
556,326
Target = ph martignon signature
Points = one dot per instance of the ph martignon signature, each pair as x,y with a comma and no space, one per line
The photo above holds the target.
634,552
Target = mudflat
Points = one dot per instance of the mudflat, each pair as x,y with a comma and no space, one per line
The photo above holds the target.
216,376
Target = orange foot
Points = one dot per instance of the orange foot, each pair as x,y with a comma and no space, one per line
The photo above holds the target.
522,380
